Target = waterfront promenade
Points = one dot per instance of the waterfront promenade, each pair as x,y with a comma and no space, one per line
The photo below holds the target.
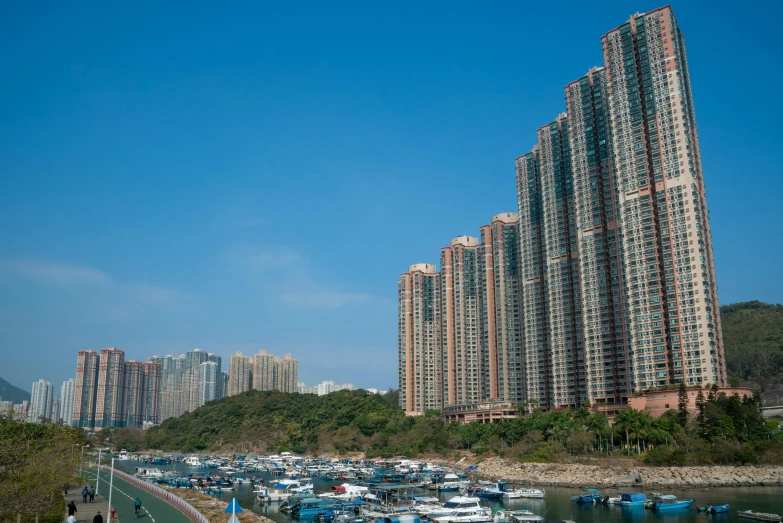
155,510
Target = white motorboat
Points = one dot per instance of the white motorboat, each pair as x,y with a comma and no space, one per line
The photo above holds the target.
457,503
148,473
346,491
523,493
503,516
482,515
192,461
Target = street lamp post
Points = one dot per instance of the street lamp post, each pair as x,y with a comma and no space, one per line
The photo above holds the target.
81,460
111,488
98,471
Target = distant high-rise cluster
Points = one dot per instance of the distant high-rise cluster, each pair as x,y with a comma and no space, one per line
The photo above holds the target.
111,392
323,388
262,372
603,284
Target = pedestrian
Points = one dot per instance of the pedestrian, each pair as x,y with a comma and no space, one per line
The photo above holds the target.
71,508
92,494
98,518
85,493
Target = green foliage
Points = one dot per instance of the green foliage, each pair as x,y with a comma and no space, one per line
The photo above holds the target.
36,462
753,338
664,457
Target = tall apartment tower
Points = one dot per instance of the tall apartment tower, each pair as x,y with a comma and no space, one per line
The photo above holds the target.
224,381
420,354
85,389
191,376
215,358
152,383
265,368
110,400
134,394
66,401
56,410
504,309
209,382
551,278
240,374
464,327
171,385
287,374
41,401
599,238
672,289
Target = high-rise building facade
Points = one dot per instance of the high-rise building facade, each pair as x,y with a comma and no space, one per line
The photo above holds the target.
420,353
134,388
152,382
504,318
41,401
672,288
191,377
240,374
109,400
85,389
209,382
265,368
66,401
224,381
171,385
287,374
612,288
599,238
56,410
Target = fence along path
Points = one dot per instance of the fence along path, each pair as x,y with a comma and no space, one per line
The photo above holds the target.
186,508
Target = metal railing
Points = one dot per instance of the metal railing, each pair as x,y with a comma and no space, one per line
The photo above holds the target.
186,508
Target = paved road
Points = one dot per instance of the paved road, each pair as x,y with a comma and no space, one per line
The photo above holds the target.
154,510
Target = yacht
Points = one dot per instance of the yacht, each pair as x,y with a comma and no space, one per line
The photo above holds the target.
523,493
503,516
192,461
457,503
148,473
480,515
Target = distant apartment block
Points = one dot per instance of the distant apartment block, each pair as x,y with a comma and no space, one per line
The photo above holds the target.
41,399
323,388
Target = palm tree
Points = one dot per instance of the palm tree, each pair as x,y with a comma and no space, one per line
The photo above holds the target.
598,424
624,421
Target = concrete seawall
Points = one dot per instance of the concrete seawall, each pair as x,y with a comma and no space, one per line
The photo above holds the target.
582,475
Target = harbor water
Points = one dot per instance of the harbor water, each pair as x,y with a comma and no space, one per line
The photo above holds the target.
556,504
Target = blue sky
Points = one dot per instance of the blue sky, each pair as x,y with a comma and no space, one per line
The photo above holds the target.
246,176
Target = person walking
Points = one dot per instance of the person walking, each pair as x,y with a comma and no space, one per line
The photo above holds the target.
137,506
71,508
92,494
85,493
98,518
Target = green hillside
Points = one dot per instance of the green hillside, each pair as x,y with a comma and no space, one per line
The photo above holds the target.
10,393
753,337
271,419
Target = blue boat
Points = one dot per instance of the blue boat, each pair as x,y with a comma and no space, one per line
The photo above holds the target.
590,496
669,502
636,499
714,509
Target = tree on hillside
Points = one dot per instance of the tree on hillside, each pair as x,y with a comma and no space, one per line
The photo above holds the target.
682,406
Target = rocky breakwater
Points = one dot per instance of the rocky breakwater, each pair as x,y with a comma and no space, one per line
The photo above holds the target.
585,475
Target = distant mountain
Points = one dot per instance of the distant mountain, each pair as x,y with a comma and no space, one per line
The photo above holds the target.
753,337
10,393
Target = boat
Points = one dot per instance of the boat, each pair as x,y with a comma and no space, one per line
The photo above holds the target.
636,499
286,487
523,493
512,516
495,492
148,473
192,461
482,515
758,516
670,502
590,495
456,503
452,483
714,509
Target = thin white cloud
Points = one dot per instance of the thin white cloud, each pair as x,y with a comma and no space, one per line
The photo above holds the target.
73,277
319,299
284,275
55,273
